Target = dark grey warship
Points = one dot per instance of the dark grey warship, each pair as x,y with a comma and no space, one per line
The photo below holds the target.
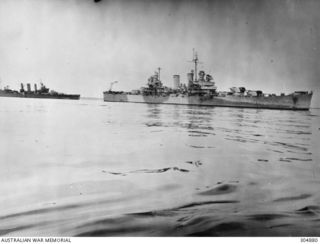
43,92
202,91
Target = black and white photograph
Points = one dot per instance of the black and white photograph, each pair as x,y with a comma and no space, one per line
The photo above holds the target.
159,118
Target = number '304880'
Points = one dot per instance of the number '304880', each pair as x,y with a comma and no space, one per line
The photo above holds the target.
310,239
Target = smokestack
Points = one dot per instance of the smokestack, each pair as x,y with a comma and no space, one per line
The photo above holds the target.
176,81
35,88
28,87
22,87
190,79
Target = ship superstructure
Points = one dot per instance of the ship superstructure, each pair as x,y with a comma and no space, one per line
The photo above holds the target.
202,90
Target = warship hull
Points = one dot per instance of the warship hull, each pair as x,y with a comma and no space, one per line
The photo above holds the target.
46,96
287,102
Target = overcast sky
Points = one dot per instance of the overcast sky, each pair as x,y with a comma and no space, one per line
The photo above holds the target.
80,46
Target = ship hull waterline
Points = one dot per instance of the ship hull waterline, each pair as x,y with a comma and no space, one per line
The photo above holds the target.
287,102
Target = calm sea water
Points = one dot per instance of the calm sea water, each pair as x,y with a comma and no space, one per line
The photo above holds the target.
90,168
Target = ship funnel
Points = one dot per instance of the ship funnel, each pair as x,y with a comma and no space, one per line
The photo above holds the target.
190,79
22,87
176,81
28,87
35,88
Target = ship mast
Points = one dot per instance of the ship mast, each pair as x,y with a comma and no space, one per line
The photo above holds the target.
195,60
159,72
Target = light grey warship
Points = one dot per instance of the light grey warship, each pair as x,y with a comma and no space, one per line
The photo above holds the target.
43,92
202,91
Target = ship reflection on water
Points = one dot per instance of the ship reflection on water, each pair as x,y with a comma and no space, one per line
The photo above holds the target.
122,169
